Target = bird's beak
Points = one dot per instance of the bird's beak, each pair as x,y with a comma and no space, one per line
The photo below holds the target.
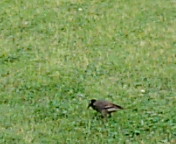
88,106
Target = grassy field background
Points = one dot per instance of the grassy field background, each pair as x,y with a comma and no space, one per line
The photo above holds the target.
56,55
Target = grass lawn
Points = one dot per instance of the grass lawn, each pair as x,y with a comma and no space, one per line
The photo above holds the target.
56,55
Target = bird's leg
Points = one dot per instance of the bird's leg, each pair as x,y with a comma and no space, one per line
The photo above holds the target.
109,115
104,113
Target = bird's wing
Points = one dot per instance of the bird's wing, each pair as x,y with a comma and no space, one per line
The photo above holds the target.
112,107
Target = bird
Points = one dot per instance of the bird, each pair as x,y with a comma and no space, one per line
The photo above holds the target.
104,107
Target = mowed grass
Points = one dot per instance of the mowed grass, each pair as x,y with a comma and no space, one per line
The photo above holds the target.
56,55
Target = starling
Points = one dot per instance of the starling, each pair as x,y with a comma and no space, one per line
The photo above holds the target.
104,107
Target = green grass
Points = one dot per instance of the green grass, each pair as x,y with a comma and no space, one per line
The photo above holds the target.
57,55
